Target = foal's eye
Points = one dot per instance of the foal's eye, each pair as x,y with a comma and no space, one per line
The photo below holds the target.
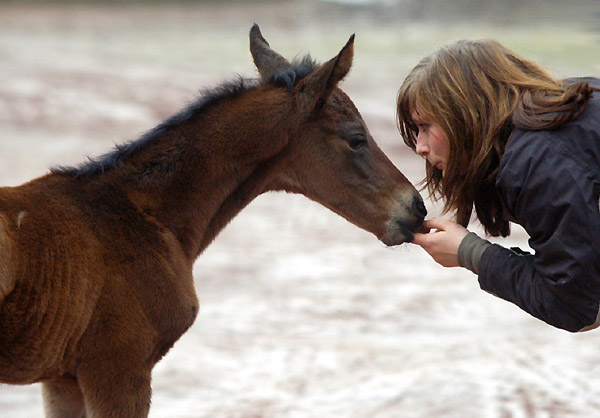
357,141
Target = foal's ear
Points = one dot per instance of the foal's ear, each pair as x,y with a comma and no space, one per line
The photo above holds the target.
266,60
314,89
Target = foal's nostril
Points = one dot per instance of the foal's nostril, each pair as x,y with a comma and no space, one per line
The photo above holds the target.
419,208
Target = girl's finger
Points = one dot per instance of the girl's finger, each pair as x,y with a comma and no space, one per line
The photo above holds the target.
421,239
437,223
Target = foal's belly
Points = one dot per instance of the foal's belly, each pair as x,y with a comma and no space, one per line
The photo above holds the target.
27,354
39,332
24,363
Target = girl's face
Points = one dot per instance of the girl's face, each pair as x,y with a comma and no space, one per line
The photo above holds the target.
432,142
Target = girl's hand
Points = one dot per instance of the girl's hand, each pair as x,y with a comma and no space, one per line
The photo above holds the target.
442,243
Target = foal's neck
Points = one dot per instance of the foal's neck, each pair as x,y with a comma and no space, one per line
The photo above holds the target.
207,170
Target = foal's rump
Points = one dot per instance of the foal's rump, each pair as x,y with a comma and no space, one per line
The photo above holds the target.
7,278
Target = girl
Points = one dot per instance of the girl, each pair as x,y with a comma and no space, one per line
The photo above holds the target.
501,135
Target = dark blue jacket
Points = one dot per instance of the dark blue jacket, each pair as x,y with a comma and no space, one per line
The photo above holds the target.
549,182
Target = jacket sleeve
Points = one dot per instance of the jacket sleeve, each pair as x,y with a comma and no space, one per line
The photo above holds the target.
555,198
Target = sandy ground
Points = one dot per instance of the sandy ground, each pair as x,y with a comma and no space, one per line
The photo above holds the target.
302,314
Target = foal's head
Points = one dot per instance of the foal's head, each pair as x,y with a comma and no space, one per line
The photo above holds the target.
330,156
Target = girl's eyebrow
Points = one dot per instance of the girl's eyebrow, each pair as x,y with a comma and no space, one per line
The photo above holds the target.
419,120
416,118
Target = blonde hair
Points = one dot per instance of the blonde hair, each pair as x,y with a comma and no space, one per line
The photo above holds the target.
477,92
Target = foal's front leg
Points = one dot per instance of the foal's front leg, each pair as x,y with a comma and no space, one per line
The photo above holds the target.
118,393
63,399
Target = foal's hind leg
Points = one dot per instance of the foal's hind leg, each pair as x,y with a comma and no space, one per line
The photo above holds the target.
63,399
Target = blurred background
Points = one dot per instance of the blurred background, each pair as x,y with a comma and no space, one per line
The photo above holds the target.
302,314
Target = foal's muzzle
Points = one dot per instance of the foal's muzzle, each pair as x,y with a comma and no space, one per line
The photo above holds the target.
406,221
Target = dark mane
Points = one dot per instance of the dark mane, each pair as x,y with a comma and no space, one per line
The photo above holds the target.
121,152
288,77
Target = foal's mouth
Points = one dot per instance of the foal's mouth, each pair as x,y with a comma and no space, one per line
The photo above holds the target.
401,231
410,229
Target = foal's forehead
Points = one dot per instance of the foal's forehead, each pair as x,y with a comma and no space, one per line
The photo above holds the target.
345,114
342,104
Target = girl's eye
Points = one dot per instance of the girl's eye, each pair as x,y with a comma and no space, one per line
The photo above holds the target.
357,141
424,127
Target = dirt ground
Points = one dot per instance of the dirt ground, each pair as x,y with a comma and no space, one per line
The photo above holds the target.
302,314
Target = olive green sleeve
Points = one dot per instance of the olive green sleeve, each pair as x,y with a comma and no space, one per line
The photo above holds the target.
470,250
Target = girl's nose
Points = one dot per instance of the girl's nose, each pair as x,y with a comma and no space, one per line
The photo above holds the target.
422,148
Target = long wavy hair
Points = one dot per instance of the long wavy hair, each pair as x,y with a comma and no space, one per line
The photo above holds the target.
478,92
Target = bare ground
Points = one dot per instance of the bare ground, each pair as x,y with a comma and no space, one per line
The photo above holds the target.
302,314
